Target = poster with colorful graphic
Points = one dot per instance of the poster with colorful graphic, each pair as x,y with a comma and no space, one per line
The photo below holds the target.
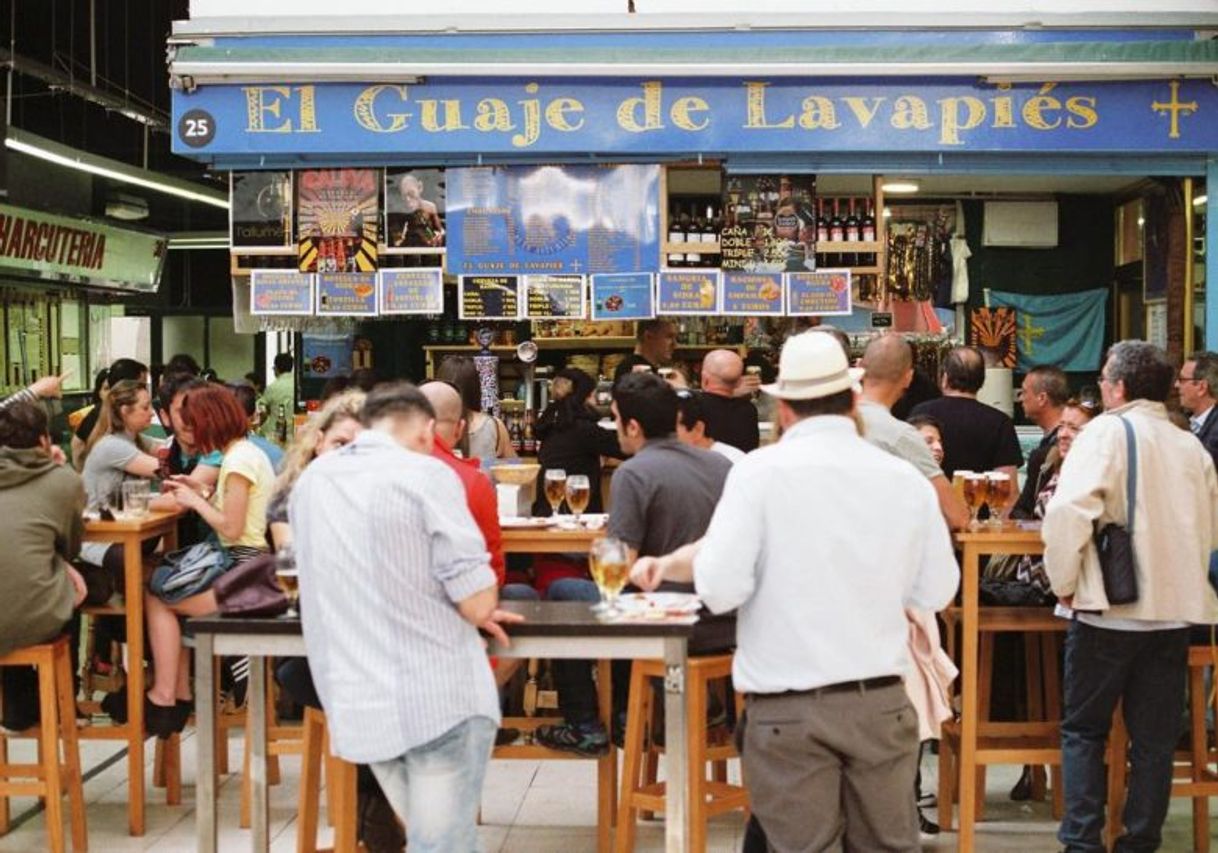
769,223
281,292
411,291
555,297
688,293
337,220
825,293
414,211
992,331
325,356
260,209
489,297
752,294
623,296
346,294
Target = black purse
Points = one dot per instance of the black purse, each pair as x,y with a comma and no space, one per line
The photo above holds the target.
1114,542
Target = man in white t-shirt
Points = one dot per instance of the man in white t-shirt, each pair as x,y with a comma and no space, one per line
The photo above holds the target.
691,426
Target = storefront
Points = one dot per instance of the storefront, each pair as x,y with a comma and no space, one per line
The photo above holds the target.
738,180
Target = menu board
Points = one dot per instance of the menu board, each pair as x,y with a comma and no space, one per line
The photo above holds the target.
693,292
489,297
549,297
281,292
553,219
337,220
769,223
825,293
346,294
411,291
623,296
750,293
260,211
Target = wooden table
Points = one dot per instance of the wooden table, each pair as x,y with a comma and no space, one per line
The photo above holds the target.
549,540
553,629
131,534
1010,539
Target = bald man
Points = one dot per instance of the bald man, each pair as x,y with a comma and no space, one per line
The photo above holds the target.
729,415
479,493
889,367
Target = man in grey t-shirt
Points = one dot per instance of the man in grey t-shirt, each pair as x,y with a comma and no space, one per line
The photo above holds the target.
889,367
662,498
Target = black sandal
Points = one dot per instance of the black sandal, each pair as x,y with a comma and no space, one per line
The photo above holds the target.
160,720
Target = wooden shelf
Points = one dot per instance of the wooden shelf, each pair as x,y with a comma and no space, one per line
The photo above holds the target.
870,247
697,248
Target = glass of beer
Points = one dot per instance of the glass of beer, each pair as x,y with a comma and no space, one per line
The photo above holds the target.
610,568
998,487
975,493
556,488
288,578
579,492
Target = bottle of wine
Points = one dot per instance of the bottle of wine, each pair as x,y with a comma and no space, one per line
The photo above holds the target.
867,230
693,234
676,236
710,235
822,222
852,235
837,228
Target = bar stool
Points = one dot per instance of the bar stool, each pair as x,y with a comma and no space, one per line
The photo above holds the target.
52,776
1196,768
708,797
340,790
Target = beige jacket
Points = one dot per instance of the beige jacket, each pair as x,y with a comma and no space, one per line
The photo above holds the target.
929,680
1175,529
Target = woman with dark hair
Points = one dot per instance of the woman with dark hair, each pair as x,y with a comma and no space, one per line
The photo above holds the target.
570,437
236,512
485,435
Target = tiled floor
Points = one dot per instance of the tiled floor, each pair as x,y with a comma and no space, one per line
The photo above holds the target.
528,807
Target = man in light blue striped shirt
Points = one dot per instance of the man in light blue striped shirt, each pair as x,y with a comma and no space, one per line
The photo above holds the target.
394,577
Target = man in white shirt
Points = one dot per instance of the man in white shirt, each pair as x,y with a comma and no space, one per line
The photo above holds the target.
691,426
830,740
1197,384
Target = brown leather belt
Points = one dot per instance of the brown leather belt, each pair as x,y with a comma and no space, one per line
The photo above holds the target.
841,687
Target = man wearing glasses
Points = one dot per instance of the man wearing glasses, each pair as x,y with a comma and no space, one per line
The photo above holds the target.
1197,384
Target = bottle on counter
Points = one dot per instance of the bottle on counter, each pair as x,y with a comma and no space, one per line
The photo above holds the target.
676,235
281,426
528,438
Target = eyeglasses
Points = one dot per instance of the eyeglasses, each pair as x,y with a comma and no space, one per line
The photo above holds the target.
1188,379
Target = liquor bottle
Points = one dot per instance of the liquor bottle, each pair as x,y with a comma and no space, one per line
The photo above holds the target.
281,426
528,442
867,231
693,234
515,435
852,235
676,235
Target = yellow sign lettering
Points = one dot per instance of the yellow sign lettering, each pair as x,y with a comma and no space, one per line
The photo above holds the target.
951,122
1004,107
429,115
628,110
909,112
365,110
493,115
1082,112
683,110
556,114
864,109
263,100
818,112
532,119
756,117
1034,109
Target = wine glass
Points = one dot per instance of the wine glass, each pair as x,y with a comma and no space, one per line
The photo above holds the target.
579,492
556,488
609,563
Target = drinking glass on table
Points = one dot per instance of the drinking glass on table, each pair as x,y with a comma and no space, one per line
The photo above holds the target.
609,564
556,488
976,490
998,489
136,495
288,577
579,492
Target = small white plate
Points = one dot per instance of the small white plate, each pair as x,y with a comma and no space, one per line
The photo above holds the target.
667,603
524,523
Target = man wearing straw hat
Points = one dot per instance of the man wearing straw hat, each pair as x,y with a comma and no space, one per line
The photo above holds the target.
830,741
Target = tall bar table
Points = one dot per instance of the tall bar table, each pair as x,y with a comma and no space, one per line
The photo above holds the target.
551,629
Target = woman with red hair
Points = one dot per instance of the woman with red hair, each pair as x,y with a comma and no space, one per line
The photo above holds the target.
236,512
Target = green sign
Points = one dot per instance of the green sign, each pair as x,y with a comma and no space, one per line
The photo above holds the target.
77,251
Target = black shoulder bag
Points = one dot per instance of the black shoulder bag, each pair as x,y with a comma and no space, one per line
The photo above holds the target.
1114,542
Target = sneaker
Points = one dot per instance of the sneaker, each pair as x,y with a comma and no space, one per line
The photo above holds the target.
588,739
927,800
505,736
1022,792
927,826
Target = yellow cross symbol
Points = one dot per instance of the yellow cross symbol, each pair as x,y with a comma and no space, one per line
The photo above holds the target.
1030,334
1175,106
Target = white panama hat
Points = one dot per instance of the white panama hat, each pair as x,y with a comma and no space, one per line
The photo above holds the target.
812,365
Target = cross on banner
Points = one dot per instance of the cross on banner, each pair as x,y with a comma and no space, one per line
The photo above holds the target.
1174,107
1029,334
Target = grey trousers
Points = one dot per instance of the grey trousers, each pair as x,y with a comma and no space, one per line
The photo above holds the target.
833,771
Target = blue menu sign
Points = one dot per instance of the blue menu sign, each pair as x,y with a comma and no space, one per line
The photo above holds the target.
553,219
411,291
346,294
282,292
693,292
752,294
824,293
623,296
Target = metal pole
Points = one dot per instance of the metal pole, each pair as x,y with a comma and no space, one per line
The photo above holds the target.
92,42
1211,256
1189,338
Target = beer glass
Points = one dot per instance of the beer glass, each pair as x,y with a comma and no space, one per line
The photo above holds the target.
975,493
579,492
998,486
136,495
556,488
610,568
288,577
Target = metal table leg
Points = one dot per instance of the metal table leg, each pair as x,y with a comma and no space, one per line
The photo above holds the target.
257,718
676,811
205,721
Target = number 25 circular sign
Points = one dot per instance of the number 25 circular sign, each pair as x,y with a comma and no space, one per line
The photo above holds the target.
196,128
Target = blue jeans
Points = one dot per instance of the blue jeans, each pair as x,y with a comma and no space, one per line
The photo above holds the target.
518,592
436,788
1147,671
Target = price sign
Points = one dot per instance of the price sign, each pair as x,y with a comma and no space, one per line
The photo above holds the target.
825,293
688,293
346,294
489,297
550,297
752,294
411,291
281,292
624,296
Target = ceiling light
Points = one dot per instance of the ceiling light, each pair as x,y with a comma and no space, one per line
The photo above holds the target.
1200,200
899,187
127,207
61,155
199,240
888,213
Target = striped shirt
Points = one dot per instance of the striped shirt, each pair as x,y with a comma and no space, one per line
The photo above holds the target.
25,395
386,546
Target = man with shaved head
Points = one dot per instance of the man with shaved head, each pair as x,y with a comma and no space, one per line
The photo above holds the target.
479,493
729,415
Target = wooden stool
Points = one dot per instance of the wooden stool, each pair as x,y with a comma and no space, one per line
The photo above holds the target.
340,790
1036,741
708,798
52,775
1196,768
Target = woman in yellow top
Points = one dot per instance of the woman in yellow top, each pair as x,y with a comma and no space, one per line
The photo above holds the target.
237,514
